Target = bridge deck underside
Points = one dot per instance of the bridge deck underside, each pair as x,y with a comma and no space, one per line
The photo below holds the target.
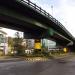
33,31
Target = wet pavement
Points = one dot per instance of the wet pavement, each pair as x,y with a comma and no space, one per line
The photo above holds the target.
65,66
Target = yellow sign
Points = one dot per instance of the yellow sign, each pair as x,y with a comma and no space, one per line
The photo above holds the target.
65,50
37,46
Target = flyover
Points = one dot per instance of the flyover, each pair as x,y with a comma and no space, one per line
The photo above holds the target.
33,21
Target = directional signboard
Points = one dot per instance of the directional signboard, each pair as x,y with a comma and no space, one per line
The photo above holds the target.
37,44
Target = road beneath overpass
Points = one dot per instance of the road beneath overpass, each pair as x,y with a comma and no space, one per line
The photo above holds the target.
62,66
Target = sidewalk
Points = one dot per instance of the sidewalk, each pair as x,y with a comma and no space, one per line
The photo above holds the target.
9,58
34,59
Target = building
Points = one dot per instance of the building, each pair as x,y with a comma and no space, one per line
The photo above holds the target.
3,43
49,44
30,43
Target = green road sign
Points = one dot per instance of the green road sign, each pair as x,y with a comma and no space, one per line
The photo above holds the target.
50,32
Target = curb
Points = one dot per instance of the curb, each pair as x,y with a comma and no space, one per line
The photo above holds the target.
11,60
36,60
23,59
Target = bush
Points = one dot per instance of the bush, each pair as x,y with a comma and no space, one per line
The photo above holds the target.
20,50
41,53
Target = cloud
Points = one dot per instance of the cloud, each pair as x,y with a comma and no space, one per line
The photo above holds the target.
11,32
68,15
63,10
44,4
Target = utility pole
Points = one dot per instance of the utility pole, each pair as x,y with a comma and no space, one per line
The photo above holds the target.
52,9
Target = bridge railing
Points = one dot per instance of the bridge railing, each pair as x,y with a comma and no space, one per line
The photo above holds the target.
37,8
43,12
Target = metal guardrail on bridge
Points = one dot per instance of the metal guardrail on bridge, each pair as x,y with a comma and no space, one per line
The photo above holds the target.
39,9
43,12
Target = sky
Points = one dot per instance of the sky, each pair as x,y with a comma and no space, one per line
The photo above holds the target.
10,32
63,11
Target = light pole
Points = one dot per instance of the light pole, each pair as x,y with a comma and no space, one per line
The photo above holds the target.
52,9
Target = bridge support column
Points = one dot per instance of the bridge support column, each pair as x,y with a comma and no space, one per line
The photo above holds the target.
72,48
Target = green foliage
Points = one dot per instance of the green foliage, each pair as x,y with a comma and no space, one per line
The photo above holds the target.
10,41
18,44
20,49
42,53
17,40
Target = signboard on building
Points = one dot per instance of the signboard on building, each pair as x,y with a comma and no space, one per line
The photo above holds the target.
37,44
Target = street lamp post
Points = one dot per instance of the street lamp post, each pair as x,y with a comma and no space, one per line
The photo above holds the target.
52,9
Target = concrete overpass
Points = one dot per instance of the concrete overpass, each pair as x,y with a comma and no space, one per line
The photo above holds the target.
33,21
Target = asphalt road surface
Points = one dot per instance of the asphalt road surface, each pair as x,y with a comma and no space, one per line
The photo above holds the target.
52,67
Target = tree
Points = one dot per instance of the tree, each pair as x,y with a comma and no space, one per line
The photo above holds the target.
10,41
18,47
10,44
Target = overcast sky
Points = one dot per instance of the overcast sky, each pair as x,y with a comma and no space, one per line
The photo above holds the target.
63,10
10,32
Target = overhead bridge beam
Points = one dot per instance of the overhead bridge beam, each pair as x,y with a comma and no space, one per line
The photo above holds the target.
9,13
27,15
